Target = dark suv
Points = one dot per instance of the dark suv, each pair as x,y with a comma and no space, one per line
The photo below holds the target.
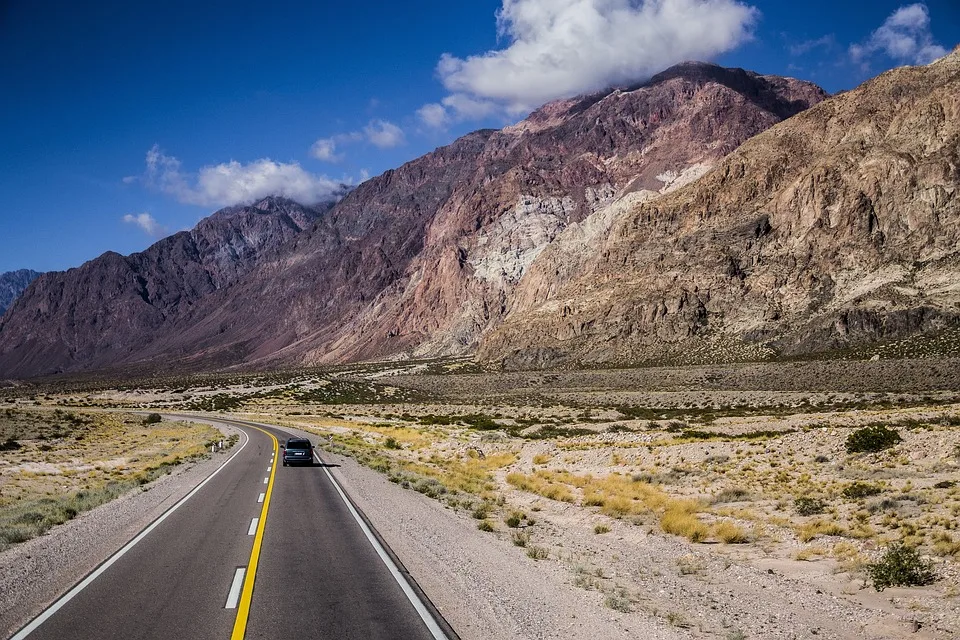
298,451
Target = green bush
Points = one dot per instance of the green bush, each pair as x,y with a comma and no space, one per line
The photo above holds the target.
873,438
391,443
806,506
901,566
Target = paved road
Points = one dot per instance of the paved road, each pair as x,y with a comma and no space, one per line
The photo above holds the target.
318,571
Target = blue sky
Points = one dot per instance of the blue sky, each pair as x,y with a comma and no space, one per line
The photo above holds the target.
124,121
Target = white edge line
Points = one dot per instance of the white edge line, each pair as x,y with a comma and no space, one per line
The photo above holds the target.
253,526
408,591
234,596
68,596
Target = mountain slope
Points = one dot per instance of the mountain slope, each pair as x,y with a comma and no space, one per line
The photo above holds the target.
112,307
838,227
423,259
12,284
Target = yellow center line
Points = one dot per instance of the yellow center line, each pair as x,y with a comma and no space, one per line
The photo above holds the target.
246,596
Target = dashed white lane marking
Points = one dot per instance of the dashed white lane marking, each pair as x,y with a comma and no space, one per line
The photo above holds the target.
253,526
270,467
234,596
266,480
262,496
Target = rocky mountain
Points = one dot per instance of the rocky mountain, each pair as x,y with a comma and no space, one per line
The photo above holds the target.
111,308
12,284
421,260
836,228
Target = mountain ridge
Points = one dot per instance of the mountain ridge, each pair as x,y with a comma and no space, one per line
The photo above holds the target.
424,259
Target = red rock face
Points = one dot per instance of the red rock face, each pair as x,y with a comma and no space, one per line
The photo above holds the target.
423,259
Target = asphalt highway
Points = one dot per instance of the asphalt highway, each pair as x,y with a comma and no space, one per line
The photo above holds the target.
258,550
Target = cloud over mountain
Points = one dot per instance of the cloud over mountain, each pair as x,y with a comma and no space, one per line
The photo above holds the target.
560,48
147,223
232,182
904,37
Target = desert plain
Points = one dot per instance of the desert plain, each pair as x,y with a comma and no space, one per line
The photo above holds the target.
715,501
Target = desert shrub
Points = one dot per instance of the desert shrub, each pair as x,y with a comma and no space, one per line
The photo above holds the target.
484,525
807,506
391,443
601,529
618,601
537,553
811,530
514,520
900,566
876,437
861,490
481,511
730,533
520,538
153,418
733,494
945,484
681,520
10,445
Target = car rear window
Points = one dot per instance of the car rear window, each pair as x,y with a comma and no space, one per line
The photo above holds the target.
298,444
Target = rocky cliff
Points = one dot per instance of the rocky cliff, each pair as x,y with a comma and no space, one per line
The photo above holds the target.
421,260
12,284
836,228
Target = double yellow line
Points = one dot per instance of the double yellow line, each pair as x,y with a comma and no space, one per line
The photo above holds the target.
246,596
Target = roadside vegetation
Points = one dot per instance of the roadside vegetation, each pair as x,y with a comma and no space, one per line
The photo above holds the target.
57,464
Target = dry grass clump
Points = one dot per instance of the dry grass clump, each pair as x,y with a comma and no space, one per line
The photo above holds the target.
811,530
680,519
730,533
540,486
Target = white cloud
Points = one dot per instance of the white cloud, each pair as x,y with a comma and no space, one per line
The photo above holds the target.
433,115
456,108
325,149
147,223
904,37
234,183
383,134
560,48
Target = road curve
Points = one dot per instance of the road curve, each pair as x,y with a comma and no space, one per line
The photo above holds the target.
317,573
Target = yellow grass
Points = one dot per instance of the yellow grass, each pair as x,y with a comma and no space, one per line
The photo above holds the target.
730,533
811,530
680,519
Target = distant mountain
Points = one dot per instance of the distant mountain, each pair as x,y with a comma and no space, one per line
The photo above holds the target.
837,228
12,284
111,308
422,260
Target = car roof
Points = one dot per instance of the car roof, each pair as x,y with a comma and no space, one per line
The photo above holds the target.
289,440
